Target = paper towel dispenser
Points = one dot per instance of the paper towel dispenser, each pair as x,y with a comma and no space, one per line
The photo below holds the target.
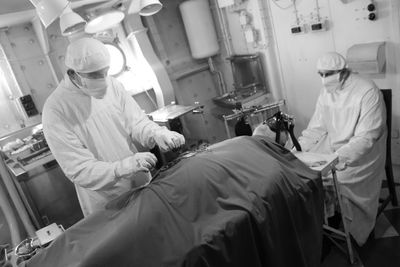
367,58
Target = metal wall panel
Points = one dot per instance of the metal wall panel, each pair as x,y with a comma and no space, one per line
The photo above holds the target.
169,40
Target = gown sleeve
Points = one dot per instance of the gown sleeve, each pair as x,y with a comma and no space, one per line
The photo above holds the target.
77,162
370,127
315,130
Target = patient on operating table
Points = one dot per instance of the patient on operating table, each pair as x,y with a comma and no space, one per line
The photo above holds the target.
264,130
280,128
274,129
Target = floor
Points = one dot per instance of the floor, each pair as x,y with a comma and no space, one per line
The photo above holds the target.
381,251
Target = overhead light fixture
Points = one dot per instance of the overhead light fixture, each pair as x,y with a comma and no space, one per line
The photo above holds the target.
71,22
104,21
145,7
49,10
149,7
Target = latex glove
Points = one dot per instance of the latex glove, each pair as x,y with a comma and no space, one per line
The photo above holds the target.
140,162
168,140
341,164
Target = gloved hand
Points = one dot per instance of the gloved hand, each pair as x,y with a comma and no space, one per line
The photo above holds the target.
168,140
140,162
341,164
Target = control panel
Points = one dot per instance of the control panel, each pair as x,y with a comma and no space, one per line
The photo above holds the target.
28,105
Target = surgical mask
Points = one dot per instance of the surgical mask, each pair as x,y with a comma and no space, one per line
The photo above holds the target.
96,88
332,83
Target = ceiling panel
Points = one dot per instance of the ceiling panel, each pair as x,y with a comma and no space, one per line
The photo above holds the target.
10,6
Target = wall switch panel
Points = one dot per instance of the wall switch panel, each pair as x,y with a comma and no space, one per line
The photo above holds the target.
319,26
28,105
297,29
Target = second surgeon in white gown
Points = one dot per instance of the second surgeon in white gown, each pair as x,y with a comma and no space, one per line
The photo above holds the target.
350,121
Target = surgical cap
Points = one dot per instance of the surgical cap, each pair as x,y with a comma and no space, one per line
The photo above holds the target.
331,61
87,55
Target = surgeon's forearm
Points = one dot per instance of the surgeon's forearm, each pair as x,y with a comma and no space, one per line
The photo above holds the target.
315,130
310,137
354,150
306,144
93,175
145,130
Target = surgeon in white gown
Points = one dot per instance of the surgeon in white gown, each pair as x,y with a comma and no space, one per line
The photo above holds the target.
350,121
90,123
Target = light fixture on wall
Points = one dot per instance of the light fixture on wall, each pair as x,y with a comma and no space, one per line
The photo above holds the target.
71,22
145,7
49,10
104,21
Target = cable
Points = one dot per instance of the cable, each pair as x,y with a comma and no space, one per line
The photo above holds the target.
317,8
296,12
281,7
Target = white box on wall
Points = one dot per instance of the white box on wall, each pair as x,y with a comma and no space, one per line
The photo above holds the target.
368,58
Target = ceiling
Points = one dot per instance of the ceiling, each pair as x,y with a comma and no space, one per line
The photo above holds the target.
11,6
80,6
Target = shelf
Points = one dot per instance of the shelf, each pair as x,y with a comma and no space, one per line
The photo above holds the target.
323,163
170,112
18,169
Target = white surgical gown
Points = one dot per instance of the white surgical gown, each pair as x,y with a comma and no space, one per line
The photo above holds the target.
352,123
89,136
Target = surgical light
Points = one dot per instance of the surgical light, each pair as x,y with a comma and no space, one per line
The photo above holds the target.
145,7
49,10
71,22
104,21
149,7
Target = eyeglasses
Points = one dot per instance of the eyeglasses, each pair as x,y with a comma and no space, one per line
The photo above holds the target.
96,74
328,73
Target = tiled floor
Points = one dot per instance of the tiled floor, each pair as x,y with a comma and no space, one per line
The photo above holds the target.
381,251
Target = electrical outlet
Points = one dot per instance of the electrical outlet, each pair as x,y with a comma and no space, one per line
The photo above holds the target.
249,35
297,29
243,18
319,26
